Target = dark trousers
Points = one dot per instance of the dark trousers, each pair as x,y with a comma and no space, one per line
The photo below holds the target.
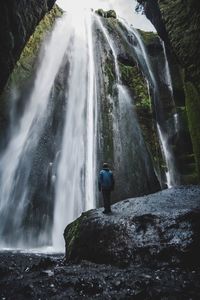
106,199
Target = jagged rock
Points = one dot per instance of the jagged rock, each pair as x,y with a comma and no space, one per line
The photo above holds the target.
106,14
126,60
18,20
111,14
163,226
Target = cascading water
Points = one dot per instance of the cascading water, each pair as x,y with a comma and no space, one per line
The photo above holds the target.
16,161
143,58
75,188
168,80
173,178
130,155
25,221
48,169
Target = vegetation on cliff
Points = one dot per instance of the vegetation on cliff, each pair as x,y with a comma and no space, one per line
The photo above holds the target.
180,32
193,110
24,67
18,20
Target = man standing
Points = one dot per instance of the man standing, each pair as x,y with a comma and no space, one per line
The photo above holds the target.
106,185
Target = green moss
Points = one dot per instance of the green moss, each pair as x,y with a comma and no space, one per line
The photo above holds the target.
107,123
110,74
148,36
132,77
71,234
111,14
25,64
106,14
193,112
107,108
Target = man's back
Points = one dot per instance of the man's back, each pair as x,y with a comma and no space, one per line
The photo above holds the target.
106,180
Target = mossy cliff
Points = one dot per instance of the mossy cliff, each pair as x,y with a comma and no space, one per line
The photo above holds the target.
25,66
133,78
18,20
178,23
193,112
115,123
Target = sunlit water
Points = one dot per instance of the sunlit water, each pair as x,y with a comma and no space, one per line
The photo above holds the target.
72,173
124,9
75,188
15,163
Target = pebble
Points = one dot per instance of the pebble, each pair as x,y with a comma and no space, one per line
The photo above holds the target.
147,276
117,283
27,269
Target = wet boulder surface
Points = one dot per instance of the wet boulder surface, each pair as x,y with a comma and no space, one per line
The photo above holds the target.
163,226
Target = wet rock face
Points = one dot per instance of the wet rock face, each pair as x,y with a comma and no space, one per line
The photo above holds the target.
178,24
160,227
182,22
18,20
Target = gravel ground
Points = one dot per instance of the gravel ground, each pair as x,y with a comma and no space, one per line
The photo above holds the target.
40,276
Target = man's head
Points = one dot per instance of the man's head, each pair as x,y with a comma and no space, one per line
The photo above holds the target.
105,165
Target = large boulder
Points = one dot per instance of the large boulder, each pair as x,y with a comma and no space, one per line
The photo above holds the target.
163,226
18,20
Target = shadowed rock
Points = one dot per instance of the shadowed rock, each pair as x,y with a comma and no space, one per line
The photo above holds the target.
18,20
163,226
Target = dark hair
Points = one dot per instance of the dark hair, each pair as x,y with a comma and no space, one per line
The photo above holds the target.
105,165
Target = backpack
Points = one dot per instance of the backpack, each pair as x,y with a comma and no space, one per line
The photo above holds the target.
106,179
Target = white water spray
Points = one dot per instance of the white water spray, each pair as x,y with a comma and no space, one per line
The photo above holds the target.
75,188
76,172
26,136
128,141
110,42
171,174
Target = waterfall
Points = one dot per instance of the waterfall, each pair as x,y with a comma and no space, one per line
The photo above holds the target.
38,162
168,80
73,117
173,178
75,188
109,41
143,58
130,155
15,162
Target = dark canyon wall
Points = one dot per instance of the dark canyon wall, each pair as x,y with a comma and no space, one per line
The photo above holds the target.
20,78
178,24
18,20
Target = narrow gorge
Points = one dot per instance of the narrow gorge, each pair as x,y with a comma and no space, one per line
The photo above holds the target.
90,88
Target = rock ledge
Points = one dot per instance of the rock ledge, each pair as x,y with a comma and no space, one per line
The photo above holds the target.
163,226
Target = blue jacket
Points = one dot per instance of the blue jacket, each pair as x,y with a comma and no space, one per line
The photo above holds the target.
106,180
